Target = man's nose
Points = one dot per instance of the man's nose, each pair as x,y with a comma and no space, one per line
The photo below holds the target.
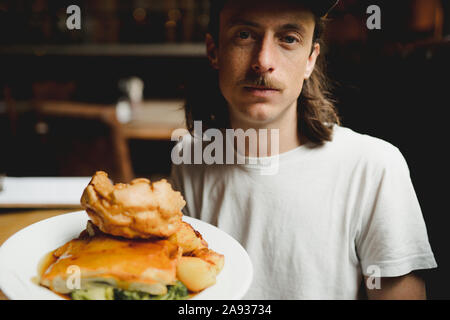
264,57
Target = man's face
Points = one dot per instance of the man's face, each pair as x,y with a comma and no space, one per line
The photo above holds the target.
263,57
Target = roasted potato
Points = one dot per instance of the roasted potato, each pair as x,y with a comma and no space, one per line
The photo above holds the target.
195,273
208,255
188,239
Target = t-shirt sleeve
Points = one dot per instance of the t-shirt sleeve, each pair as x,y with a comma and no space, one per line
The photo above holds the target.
393,235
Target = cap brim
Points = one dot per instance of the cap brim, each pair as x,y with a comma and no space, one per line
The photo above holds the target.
320,7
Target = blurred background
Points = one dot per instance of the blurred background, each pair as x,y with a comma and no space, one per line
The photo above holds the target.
109,95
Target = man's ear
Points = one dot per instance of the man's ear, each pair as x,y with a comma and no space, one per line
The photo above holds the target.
211,51
311,63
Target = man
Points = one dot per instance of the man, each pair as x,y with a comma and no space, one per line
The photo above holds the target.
341,206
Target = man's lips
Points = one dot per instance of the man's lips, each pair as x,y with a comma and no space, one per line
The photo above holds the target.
260,91
262,88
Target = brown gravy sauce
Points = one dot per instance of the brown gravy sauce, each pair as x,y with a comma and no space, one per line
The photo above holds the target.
46,261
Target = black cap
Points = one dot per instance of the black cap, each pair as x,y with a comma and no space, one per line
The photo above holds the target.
319,7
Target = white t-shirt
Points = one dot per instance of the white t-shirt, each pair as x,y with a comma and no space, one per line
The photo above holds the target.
314,228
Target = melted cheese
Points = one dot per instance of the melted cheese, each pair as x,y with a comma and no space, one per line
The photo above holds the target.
145,265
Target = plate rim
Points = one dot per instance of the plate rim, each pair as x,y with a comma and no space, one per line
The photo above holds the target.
238,295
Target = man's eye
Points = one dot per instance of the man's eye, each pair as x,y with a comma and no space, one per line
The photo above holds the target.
244,35
290,39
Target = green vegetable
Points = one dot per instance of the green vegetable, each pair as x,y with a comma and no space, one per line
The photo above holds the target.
120,294
101,291
97,292
175,292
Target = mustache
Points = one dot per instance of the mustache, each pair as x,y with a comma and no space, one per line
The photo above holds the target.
251,80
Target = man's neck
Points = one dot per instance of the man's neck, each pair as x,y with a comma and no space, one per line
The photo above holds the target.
288,136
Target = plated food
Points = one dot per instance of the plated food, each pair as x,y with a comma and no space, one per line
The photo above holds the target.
135,246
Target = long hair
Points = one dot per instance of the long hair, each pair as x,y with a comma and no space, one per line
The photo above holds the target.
316,111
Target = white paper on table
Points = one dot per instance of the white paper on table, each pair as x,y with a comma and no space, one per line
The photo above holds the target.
42,192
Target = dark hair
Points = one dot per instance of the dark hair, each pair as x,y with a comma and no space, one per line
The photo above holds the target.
317,114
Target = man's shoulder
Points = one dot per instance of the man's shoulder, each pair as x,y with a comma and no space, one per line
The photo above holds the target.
366,148
363,141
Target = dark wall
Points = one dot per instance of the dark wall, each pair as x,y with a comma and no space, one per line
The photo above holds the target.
404,99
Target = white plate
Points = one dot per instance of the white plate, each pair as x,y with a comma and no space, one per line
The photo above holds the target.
21,253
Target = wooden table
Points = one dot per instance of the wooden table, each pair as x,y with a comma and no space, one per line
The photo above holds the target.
13,220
